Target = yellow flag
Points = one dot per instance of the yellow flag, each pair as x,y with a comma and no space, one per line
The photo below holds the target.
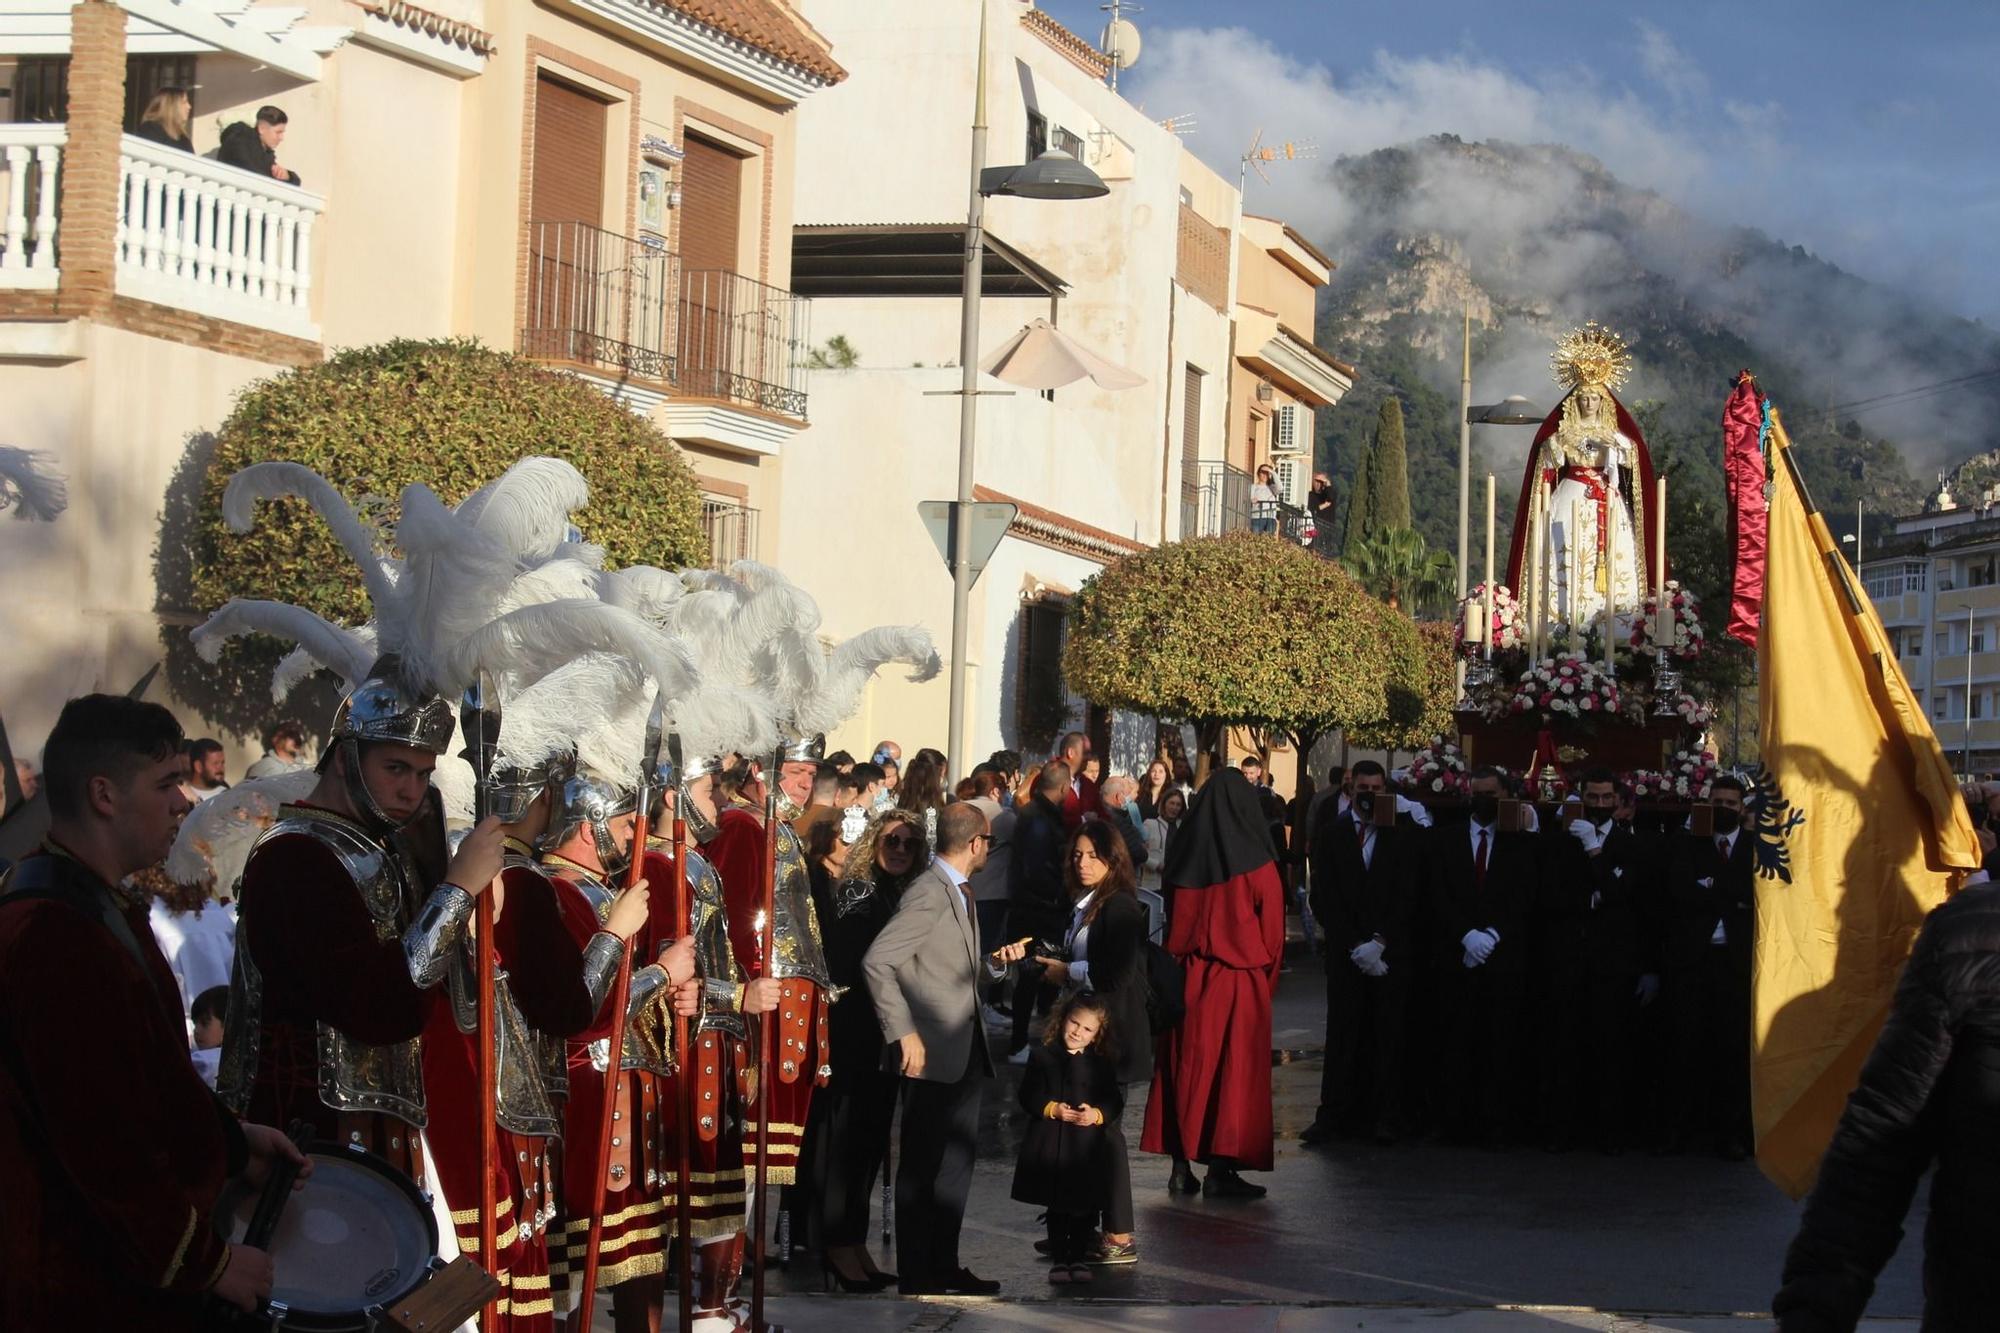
1860,832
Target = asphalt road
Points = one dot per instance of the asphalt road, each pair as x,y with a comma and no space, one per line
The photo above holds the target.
1364,1236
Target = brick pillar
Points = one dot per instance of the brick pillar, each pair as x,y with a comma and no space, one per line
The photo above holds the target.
89,200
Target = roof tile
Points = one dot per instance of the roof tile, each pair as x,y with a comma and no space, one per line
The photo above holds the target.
769,26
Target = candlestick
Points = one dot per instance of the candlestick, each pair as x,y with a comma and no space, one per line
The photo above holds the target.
1490,577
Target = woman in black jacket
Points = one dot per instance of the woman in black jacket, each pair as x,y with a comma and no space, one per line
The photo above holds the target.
1929,1095
168,119
847,1130
1106,946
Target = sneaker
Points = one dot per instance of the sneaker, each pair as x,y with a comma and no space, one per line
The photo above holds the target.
1019,1057
1109,1255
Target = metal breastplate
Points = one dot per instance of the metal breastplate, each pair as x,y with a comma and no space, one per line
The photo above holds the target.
714,959
521,1100
795,922
646,1046
353,1076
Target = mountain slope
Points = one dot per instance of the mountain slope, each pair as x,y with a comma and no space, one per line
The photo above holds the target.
1533,240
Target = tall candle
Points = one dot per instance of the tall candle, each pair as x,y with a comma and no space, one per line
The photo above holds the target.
1662,624
1610,582
1491,576
1538,531
1571,607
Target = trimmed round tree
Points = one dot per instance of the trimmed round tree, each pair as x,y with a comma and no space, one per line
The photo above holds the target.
451,414
1242,629
1423,680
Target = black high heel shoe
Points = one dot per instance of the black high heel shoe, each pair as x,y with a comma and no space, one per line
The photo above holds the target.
863,1283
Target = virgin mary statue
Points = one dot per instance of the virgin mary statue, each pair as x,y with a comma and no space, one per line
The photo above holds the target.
1582,526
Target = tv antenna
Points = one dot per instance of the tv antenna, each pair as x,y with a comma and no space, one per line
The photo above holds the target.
1119,42
1182,125
1261,154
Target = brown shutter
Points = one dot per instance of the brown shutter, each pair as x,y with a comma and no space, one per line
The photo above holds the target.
569,155
711,206
1190,418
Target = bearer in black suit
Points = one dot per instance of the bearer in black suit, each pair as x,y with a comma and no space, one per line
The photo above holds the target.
1364,884
1707,958
1590,937
1479,892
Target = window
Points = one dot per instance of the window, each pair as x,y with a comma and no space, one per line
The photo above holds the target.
1979,704
1979,573
1914,641
1038,134
1943,642
1041,704
1069,143
1978,641
1893,579
1937,706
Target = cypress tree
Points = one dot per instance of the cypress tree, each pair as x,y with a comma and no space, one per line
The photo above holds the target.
1389,468
1360,527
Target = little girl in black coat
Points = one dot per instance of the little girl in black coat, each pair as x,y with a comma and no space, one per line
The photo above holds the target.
1070,1090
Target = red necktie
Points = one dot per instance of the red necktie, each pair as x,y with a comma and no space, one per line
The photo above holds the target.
1479,862
1722,845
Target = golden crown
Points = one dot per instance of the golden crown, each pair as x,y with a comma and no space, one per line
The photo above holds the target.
1592,355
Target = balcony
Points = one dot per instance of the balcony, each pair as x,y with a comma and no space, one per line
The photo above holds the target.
1215,498
191,233
731,528
725,354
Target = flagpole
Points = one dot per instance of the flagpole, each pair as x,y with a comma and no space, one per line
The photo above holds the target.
1968,691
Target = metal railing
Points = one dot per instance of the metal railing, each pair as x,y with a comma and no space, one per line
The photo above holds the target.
731,529
1296,525
1215,498
599,299
743,341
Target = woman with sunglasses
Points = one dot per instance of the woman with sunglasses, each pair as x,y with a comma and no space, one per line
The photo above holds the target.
1106,957
856,888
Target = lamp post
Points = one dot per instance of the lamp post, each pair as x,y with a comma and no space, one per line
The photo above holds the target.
1053,175
1512,410
1968,690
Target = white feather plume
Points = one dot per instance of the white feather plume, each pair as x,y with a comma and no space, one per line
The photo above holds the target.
525,645
552,581
453,779
272,481
526,509
545,719
340,650
453,580
37,489
214,841
295,666
646,591
849,667
715,719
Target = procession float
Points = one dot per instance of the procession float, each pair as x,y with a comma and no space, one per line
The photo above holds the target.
1589,654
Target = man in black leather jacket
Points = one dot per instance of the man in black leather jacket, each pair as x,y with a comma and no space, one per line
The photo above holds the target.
1037,902
1929,1094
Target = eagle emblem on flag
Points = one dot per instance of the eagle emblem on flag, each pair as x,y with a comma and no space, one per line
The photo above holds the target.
1770,818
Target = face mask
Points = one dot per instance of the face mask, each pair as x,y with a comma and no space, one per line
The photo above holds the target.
1364,804
1485,809
884,799
1727,820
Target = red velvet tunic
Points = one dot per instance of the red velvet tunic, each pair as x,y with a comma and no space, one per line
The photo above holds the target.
1211,1094
307,930
544,977
112,1150
737,853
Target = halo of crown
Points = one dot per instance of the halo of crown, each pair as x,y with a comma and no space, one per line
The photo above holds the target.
1591,356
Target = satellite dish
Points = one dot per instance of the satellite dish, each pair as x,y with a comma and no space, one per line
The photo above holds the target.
1121,42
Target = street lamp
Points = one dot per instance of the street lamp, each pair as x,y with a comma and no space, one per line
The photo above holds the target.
1052,175
1513,410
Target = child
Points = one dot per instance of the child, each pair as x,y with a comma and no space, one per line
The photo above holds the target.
210,1011
1069,1090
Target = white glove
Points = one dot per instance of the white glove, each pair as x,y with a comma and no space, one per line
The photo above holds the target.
1585,832
1378,968
1478,946
1366,956
1419,814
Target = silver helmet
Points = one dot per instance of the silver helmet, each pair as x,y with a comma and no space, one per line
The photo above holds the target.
588,800
693,768
383,710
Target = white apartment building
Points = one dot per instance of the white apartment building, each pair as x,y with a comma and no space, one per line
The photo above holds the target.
1164,276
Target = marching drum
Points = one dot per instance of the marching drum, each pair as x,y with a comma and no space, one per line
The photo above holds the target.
356,1240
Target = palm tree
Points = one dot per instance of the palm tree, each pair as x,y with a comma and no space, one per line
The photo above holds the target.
1397,567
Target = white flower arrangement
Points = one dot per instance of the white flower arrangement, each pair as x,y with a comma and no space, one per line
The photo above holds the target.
1684,612
1506,626
1439,769
1568,683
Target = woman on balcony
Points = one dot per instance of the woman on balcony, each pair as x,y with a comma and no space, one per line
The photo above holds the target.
169,118
1264,501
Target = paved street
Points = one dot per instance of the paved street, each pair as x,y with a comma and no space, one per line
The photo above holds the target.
1416,1237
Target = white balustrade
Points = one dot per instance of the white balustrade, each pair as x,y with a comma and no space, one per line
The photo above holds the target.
201,236
29,158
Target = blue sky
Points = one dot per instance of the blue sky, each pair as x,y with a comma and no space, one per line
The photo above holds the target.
1863,132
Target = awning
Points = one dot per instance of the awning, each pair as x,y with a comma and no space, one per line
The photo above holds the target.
907,259
1042,356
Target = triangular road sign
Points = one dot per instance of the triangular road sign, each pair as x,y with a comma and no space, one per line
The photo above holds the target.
987,522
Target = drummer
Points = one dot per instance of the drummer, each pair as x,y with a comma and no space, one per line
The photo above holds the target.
112,1152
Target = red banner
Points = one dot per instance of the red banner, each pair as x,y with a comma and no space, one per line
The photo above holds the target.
1749,513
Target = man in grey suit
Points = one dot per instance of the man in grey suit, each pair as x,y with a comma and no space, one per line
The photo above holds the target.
923,972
